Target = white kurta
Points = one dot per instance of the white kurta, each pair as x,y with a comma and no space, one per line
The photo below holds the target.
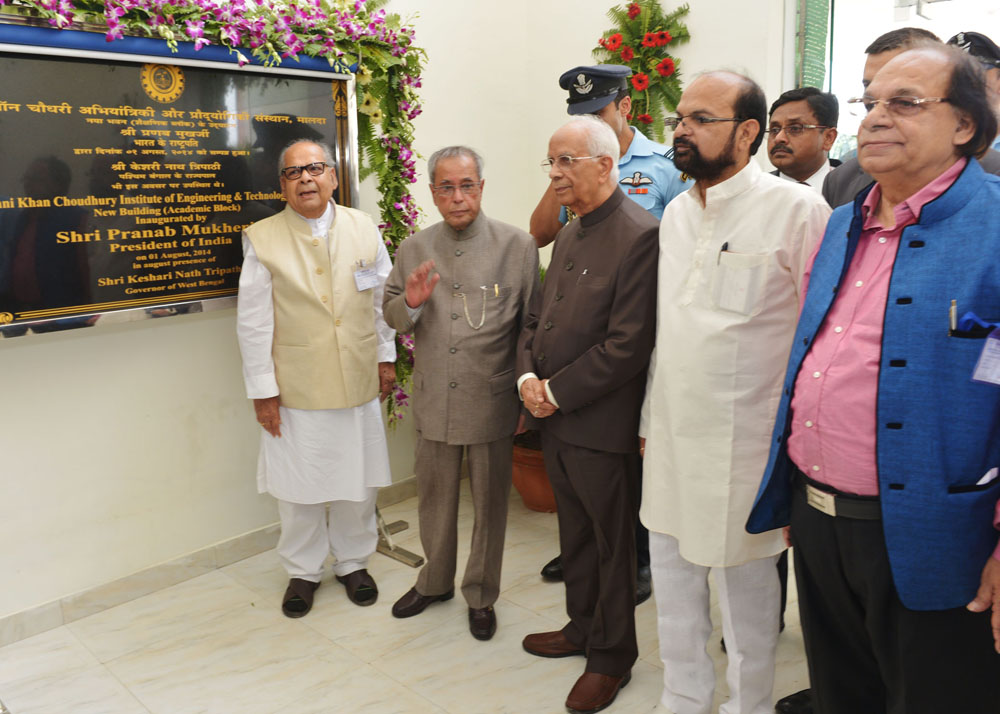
729,280
322,454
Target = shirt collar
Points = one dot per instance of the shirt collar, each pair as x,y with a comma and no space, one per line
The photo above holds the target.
640,146
908,211
816,180
604,210
744,179
470,231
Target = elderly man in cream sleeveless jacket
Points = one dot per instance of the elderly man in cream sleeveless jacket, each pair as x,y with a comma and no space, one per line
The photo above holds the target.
465,331
317,358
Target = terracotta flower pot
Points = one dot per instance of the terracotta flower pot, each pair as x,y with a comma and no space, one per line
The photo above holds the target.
531,481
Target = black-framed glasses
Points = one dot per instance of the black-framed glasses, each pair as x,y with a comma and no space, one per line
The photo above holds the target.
793,129
314,169
901,106
699,119
563,163
469,188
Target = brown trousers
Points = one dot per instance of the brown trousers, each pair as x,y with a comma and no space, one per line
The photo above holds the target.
439,469
597,496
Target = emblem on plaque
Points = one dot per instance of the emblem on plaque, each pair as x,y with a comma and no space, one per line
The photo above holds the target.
162,82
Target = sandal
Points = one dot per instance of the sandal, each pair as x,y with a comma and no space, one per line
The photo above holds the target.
361,588
298,600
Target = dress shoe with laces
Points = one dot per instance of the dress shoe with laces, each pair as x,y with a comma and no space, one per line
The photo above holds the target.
594,692
413,603
552,570
550,644
482,622
798,703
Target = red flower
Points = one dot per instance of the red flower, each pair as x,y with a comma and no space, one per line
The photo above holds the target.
664,38
634,11
614,42
628,117
666,67
640,81
627,54
645,118
649,40
601,42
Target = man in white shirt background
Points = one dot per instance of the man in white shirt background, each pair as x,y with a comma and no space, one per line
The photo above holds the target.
317,359
801,130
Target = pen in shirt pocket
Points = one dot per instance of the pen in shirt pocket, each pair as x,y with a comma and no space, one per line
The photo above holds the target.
723,249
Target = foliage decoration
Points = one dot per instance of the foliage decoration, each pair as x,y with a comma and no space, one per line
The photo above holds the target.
352,35
642,32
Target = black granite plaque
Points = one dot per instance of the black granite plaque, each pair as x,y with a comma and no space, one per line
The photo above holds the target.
126,186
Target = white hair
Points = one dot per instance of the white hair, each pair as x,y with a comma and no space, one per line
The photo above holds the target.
601,139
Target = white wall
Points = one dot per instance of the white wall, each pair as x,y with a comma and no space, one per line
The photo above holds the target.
128,445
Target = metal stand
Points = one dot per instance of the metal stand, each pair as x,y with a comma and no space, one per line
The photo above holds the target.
387,547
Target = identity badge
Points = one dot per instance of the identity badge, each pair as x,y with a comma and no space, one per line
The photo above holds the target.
988,367
365,278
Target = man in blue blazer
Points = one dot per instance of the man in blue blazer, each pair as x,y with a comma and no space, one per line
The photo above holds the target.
885,455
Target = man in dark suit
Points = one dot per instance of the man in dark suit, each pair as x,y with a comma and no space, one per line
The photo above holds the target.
582,357
801,130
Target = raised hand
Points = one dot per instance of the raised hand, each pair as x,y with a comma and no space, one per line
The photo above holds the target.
420,283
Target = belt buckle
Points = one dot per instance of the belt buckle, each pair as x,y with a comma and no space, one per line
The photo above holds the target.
821,500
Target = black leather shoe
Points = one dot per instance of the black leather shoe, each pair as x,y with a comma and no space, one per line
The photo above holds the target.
643,585
413,603
552,570
798,703
482,622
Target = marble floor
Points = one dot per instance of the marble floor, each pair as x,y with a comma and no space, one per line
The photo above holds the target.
219,644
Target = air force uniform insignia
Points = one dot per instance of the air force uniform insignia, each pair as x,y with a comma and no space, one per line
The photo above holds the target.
583,85
636,179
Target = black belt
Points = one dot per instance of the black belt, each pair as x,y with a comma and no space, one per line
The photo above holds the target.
842,505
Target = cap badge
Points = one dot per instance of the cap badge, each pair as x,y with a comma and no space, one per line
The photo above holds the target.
583,85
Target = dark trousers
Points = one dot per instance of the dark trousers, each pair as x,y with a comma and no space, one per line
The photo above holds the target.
596,497
867,653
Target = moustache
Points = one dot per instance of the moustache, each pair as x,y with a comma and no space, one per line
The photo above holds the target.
781,149
683,142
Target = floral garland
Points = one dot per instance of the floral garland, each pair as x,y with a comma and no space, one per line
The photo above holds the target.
643,31
348,33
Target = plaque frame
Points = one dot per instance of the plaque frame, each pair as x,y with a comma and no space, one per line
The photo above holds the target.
28,36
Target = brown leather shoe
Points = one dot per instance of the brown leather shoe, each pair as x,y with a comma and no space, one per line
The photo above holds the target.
482,622
594,692
298,598
361,588
550,644
413,603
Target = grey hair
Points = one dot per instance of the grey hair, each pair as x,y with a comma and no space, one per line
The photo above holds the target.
601,139
454,152
327,153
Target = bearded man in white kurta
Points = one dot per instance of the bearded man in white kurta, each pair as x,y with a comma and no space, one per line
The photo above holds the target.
733,250
317,358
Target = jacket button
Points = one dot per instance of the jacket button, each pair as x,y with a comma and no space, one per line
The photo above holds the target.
453,350
581,234
337,323
458,252
454,316
453,384
569,265
315,241
559,296
319,271
541,357
548,325
456,286
324,299
805,340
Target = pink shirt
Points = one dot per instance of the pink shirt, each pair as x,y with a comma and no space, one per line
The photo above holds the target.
834,406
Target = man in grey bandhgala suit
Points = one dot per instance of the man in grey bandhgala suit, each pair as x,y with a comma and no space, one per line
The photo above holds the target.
465,333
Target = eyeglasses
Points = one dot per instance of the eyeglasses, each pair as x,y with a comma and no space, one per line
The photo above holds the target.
793,129
448,190
700,119
563,163
897,106
314,169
